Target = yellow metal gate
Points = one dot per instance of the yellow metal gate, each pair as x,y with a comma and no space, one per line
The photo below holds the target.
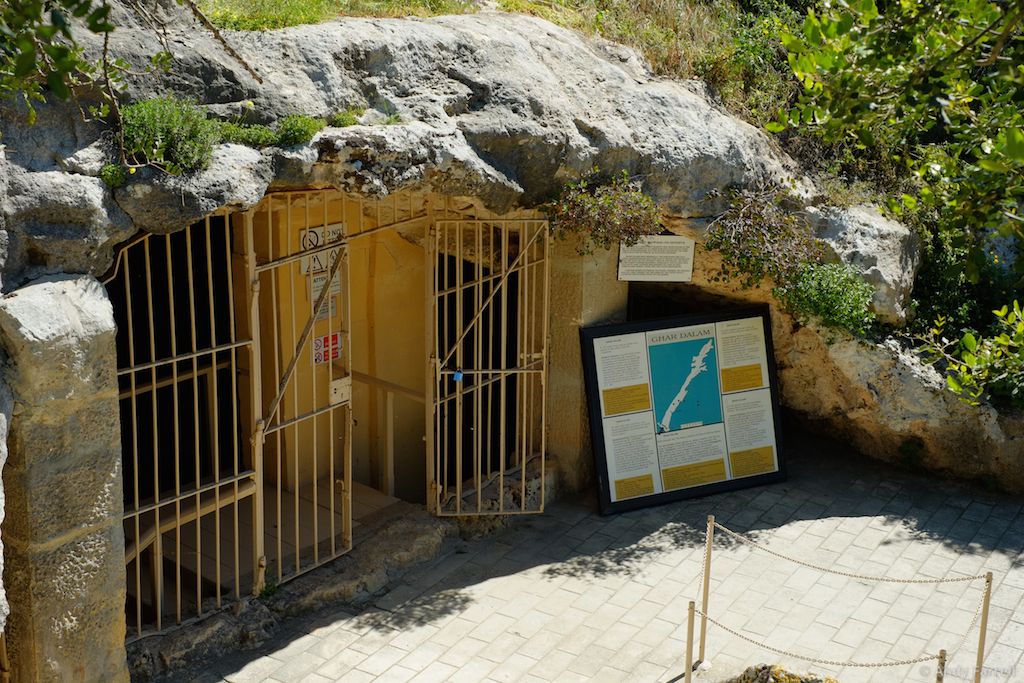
234,364
303,421
488,328
188,473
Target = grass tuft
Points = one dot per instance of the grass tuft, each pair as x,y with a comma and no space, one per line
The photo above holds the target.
257,15
349,117
297,129
257,136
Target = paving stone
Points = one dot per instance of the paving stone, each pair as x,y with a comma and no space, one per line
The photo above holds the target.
298,667
382,660
513,668
463,652
474,671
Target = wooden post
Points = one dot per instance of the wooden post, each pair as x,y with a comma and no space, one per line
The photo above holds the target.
940,671
983,627
709,538
689,643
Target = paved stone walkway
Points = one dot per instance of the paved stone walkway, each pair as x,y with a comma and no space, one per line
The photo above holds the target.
572,596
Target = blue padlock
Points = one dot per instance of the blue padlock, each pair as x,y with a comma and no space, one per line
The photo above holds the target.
458,375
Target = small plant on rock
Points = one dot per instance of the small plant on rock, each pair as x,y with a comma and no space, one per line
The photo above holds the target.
114,175
298,129
169,133
833,293
255,135
604,212
349,117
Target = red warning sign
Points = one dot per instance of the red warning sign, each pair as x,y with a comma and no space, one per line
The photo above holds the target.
326,348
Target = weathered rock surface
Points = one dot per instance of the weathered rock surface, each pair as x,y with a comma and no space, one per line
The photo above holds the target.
65,547
887,254
501,107
770,673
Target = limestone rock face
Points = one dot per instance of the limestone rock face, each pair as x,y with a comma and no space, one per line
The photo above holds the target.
504,108
63,220
65,554
887,403
887,254
236,178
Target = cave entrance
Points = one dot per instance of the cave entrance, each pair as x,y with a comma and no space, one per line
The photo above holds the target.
290,371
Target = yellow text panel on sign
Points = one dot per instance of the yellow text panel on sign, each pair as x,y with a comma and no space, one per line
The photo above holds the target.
631,399
693,474
742,377
753,461
632,487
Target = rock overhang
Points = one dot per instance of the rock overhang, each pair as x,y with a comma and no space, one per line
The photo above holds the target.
504,108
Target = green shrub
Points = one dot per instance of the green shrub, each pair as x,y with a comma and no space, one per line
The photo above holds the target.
349,117
114,175
979,368
831,292
605,212
393,119
172,134
297,129
249,135
750,72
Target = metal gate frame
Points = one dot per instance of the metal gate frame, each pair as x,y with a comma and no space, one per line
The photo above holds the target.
193,369
270,418
448,367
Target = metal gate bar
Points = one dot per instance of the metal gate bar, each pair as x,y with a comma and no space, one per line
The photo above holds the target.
177,369
499,270
298,413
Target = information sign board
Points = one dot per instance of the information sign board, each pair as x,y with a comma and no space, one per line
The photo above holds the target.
682,407
657,258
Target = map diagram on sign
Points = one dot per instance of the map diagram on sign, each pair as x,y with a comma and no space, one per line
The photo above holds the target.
685,401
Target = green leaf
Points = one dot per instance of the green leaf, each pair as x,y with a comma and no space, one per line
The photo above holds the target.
774,127
57,85
1014,146
969,342
993,165
954,386
26,61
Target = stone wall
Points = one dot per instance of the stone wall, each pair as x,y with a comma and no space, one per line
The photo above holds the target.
64,549
584,291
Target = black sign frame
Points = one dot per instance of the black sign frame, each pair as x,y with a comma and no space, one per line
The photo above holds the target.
587,337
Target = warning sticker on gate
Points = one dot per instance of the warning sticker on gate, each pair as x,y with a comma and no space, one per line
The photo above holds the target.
314,239
326,348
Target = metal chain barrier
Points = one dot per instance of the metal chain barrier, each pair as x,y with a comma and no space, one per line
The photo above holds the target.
940,658
824,662
851,575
